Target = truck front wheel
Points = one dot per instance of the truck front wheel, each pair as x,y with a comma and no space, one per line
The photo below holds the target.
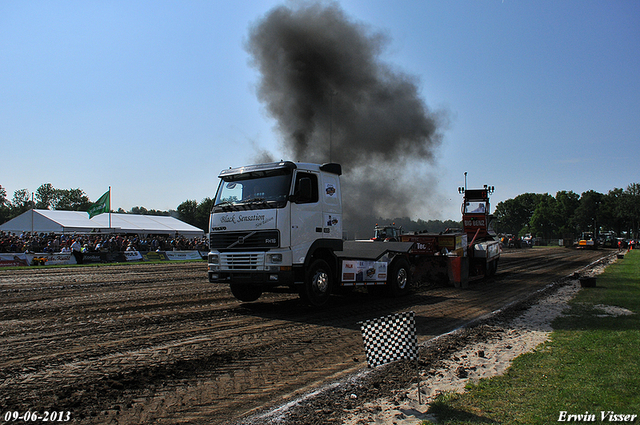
317,283
399,277
245,292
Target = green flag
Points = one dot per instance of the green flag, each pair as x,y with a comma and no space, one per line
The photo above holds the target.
102,205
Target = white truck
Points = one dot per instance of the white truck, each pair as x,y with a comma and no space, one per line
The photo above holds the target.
278,227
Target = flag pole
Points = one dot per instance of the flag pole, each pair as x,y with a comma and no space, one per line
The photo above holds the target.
418,375
109,209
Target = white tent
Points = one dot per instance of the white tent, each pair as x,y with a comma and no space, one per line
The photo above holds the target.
67,222
147,224
50,221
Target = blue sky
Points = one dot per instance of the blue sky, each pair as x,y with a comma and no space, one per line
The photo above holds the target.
154,98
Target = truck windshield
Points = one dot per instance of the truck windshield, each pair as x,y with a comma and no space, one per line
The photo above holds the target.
253,191
474,207
383,233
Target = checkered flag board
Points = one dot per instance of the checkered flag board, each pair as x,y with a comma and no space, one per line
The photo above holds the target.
390,338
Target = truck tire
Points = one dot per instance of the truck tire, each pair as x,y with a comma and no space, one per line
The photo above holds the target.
399,277
246,293
318,283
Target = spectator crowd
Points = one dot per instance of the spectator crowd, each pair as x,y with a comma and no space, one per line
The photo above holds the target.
52,243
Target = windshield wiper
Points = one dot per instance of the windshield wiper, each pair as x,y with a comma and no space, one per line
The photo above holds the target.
262,201
245,204
253,200
225,206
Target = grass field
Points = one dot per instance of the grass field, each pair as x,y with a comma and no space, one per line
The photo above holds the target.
588,372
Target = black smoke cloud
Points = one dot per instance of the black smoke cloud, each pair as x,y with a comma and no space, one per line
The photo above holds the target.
333,98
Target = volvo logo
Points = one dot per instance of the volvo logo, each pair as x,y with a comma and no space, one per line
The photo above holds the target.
241,239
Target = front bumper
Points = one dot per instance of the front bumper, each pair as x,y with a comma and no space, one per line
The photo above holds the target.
260,278
266,269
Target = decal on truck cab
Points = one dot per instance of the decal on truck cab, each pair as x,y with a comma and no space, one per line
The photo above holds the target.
248,220
330,221
330,189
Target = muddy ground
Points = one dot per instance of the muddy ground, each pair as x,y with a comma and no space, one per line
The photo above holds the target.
157,343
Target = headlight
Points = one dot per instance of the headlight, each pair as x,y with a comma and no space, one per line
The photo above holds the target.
214,258
274,258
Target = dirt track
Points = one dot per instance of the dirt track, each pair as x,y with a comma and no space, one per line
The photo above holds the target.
159,344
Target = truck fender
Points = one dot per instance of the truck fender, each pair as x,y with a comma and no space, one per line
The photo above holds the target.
323,248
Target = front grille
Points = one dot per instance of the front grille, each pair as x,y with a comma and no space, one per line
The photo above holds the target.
241,261
245,239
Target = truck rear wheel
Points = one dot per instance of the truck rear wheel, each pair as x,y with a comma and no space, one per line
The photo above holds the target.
318,283
399,277
246,292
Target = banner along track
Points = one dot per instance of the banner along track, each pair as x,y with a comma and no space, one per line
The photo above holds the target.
158,343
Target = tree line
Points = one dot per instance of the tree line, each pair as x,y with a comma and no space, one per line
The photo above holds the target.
568,214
